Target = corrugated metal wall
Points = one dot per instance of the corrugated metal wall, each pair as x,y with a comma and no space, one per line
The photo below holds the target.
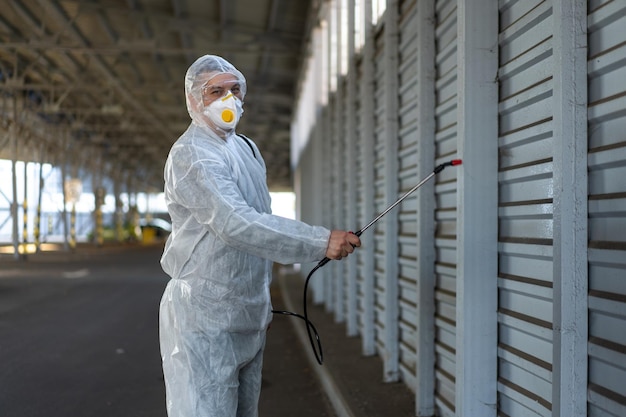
445,215
379,183
404,109
340,213
360,259
407,176
366,273
607,207
525,195
328,195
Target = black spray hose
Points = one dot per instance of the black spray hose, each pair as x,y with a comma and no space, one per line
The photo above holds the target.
310,328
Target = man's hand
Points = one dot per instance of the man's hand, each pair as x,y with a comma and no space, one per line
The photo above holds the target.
341,243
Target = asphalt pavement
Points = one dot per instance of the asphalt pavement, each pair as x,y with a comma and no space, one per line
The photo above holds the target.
78,334
79,338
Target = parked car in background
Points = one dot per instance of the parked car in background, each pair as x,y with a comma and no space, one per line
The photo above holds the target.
155,228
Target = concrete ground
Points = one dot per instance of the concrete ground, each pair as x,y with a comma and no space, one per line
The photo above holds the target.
79,337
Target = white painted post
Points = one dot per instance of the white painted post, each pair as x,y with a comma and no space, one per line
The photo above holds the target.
351,322
329,282
319,204
391,357
339,155
328,139
477,197
319,72
14,156
569,371
425,298
367,160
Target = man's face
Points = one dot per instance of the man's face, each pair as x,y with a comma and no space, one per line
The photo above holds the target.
218,86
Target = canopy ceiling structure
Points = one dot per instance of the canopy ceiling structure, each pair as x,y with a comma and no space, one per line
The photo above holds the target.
99,83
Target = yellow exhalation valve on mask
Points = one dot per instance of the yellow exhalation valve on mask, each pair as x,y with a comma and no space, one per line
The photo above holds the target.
228,115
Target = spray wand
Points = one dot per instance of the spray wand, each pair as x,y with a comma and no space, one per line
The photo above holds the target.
311,331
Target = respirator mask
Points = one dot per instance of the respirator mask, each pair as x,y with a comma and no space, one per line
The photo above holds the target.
225,112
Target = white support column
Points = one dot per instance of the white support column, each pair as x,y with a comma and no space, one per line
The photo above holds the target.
477,197
569,371
367,160
25,210
391,357
320,42
320,207
425,297
65,163
40,187
329,81
14,156
351,322
339,155
330,166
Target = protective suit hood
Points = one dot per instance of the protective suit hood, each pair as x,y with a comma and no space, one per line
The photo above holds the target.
199,74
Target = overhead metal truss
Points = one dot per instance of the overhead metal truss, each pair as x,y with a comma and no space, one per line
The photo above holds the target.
104,78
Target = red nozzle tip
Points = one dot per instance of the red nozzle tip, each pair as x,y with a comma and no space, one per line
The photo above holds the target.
456,162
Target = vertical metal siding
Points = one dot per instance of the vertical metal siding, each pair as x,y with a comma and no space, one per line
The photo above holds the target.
321,177
330,172
333,290
354,198
607,208
346,201
390,223
379,190
339,155
368,110
334,198
360,184
525,215
352,204
352,95
527,190
445,215
408,178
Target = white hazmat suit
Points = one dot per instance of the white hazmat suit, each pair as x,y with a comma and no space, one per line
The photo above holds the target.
216,308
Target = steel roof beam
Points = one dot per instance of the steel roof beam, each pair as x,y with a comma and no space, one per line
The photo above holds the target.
55,11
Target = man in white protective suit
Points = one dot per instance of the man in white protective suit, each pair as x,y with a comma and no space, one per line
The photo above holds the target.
216,308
